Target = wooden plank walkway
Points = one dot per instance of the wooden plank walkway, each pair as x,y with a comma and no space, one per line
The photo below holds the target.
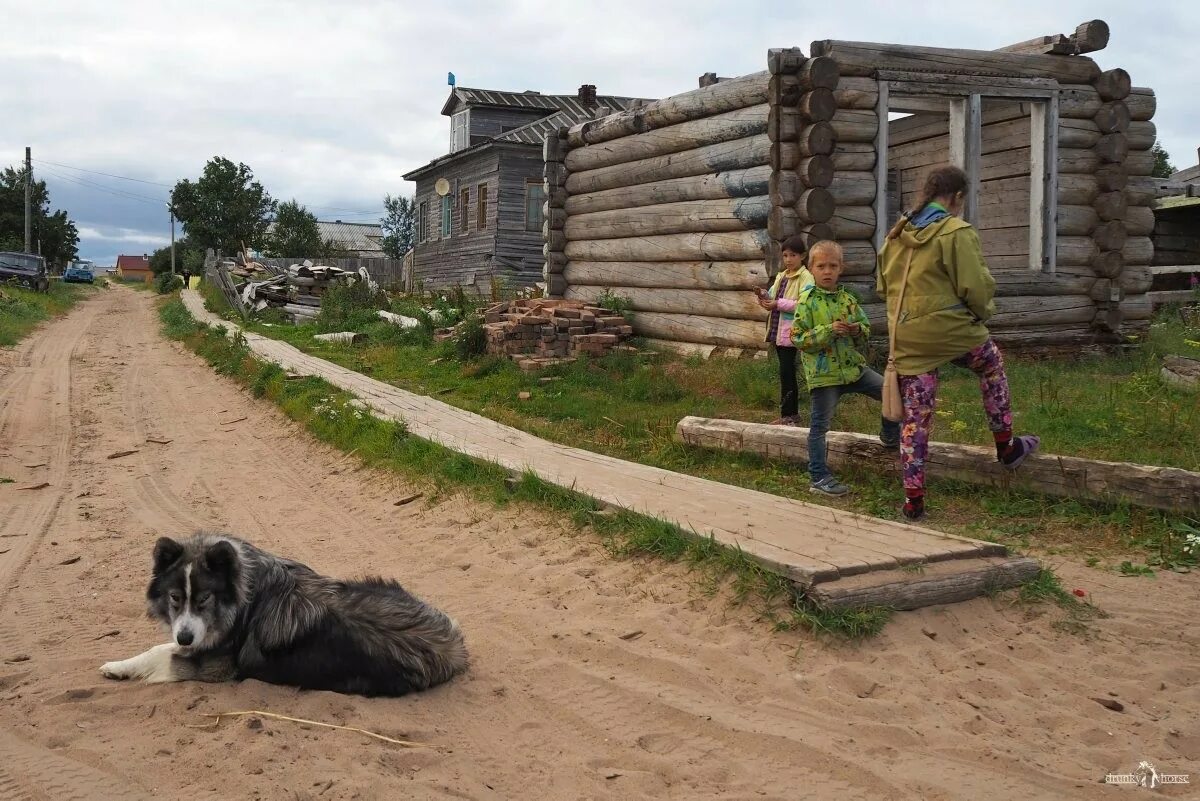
809,544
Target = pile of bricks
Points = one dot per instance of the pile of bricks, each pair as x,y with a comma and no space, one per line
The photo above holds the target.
537,333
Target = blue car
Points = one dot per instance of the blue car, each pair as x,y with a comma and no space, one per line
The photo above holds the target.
79,272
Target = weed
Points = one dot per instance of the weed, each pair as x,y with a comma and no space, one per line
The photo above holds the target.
470,338
21,310
613,302
1128,568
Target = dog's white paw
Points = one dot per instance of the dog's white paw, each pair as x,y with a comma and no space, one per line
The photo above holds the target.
117,670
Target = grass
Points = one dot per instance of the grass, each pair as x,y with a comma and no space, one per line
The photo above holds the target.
627,406
333,416
22,310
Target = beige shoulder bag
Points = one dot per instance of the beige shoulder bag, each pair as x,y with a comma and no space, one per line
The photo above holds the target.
893,403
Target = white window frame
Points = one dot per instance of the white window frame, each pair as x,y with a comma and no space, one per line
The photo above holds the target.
460,130
906,91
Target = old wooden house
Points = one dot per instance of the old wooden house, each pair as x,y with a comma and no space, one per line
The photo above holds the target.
680,206
479,207
1177,237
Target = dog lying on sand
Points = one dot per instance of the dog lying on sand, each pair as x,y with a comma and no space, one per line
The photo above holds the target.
237,612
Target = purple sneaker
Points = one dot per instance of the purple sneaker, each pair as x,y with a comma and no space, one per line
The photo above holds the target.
1021,447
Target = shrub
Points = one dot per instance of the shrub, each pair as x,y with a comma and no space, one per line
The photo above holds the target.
470,338
343,304
166,283
613,302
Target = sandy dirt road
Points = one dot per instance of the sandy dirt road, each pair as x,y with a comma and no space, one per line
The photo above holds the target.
706,703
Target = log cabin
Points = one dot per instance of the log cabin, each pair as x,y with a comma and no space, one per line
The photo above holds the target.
479,207
680,205
1176,237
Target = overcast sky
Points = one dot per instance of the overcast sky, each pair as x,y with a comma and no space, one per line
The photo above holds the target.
330,103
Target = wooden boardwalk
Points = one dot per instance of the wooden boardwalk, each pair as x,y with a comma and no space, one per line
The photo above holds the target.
811,545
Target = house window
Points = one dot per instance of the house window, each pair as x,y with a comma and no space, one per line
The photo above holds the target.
423,221
535,196
464,210
447,219
459,128
481,223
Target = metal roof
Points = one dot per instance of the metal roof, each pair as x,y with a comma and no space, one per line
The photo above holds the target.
462,95
570,112
363,238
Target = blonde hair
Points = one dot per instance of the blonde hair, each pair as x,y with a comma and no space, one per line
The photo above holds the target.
825,246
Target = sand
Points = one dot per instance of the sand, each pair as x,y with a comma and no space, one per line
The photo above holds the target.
985,699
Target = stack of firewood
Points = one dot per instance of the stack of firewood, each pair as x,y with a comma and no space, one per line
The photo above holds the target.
539,333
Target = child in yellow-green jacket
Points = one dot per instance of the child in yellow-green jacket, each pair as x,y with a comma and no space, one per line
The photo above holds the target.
830,330
780,301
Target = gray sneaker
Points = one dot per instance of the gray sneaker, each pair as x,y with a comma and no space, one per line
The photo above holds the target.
829,486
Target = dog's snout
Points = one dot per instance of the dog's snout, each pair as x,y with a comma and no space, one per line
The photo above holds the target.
184,637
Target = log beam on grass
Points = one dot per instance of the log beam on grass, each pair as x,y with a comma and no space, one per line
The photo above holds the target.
1165,488
735,93
747,182
865,58
737,124
735,246
689,216
943,582
738,154
723,303
742,275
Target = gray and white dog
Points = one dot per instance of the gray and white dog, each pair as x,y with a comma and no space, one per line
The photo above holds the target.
237,612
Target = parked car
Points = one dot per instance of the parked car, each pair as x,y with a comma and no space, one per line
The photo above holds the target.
24,268
80,271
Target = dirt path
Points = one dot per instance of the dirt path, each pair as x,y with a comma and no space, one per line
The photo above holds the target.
705,703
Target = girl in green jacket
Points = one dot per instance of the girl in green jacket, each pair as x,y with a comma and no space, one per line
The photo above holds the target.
949,295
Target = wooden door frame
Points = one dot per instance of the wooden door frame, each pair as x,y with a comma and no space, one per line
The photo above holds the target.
963,96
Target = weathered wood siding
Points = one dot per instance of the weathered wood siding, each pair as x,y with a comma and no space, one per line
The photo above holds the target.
491,122
518,251
465,257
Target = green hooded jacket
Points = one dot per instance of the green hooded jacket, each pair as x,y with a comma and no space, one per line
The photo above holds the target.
950,293
829,360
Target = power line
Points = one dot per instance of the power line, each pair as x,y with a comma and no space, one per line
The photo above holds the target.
105,174
100,187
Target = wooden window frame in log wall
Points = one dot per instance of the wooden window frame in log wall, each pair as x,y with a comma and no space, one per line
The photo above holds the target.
482,201
531,224
447,215
963,97
460,122
464,211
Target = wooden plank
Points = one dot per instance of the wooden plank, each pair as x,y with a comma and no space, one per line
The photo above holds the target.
736,246
746,182
723,303
866,58
933,585
737,124
1166,488
690,216
744,275
965,122
746,90
752,151
881,168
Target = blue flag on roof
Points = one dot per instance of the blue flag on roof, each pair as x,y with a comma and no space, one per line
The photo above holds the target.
450,78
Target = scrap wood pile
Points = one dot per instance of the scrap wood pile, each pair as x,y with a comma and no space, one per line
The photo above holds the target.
539,333
251,286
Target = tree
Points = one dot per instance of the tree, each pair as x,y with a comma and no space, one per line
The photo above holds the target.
188,258
224,208
54,234
398,220
295,233
1163,168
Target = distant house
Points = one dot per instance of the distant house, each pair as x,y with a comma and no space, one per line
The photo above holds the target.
479,207
361,240
134,268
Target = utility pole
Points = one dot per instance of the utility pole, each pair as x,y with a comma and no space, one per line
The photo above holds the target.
28,201
171,209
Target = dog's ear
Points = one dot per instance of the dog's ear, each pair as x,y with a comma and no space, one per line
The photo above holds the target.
166,552
221,557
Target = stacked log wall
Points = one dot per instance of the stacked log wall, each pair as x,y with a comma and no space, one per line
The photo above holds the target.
668,207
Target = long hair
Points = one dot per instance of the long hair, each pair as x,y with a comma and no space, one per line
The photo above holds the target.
943,181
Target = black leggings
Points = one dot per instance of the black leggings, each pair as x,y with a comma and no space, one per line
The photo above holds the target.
789,392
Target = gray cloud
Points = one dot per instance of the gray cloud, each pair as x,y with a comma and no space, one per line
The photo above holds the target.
331,103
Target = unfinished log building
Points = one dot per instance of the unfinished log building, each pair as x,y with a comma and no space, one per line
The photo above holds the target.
680,206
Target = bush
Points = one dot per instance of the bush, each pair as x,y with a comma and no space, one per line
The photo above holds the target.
341,305
165,283
470,338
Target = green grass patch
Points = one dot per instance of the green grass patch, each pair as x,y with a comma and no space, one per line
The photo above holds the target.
627,406
334,417
21,310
